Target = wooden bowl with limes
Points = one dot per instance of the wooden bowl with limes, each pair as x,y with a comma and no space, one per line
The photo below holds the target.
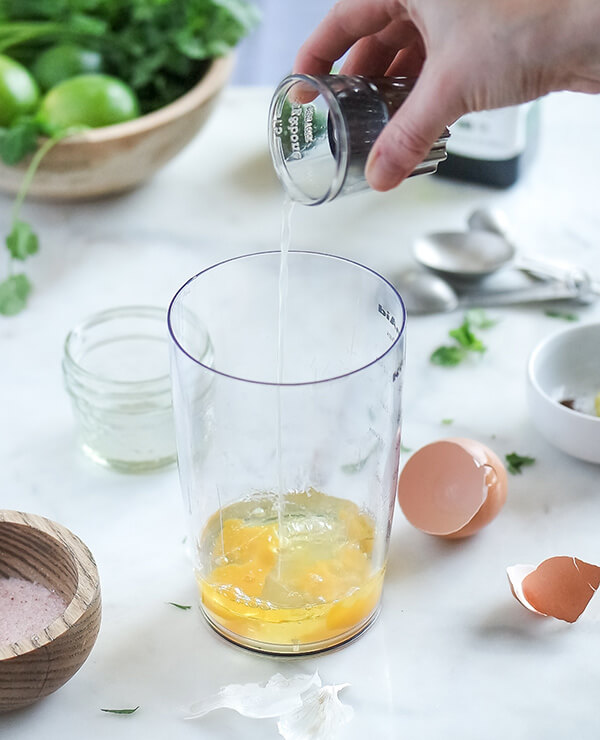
114,159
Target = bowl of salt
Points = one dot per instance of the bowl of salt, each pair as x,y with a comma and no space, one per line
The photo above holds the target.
49,607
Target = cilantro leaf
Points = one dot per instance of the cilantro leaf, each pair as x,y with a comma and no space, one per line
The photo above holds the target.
356,467
13,294
465,337
478,318
18,140
447,422
121,711
566,316
516,462
22,241
448,356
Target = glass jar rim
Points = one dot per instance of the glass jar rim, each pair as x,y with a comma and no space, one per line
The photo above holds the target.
275,252
157,384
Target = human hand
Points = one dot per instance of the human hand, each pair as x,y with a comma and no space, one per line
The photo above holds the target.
469,55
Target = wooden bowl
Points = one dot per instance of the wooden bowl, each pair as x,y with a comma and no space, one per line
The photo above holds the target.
117,158
44,552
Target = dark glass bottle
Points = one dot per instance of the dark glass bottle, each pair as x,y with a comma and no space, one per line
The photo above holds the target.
492,147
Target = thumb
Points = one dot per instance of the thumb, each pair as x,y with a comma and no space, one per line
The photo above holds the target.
417,124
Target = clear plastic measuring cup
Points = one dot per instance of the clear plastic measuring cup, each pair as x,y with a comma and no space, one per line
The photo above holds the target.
289,478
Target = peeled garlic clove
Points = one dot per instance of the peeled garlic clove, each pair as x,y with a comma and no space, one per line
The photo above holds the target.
320,717
452,488
559,587
278,696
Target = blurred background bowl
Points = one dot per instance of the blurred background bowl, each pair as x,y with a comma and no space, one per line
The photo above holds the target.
117,158
566,366
44,552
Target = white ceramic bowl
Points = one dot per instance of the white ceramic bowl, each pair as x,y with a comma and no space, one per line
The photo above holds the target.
567,366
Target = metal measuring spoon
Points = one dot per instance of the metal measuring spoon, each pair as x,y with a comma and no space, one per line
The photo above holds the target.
482,250
426,293
468,255
423,292
487,247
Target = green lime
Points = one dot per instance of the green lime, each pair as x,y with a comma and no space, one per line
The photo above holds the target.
63,61
19,92
87,100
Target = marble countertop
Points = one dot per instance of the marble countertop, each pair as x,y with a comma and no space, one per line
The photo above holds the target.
452,654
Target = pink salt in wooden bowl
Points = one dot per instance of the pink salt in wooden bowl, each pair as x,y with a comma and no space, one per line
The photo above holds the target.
37,553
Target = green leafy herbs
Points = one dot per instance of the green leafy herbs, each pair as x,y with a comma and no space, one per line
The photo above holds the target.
564,315
516,462
121,711
405,449
183,607
447,422
466,341
159,48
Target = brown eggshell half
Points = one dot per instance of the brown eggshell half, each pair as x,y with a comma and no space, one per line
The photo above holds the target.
559,587
452,488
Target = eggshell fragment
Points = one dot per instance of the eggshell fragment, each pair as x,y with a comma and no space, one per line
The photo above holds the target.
452,488
559,587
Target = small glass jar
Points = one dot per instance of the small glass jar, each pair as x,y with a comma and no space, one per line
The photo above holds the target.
116,370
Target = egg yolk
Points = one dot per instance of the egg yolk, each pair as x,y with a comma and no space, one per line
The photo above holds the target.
308,578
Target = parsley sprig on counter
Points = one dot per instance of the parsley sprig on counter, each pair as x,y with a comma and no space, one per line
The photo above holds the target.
515,462
465,338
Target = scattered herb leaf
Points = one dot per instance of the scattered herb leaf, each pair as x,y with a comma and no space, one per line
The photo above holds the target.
516,462
564,315
185,607
21,241
448,356
447,422
18,140
120,711
478,318
466,341
13,294
356,467
465,337
405,449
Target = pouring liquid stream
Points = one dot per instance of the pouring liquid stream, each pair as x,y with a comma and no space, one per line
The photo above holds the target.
286,237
